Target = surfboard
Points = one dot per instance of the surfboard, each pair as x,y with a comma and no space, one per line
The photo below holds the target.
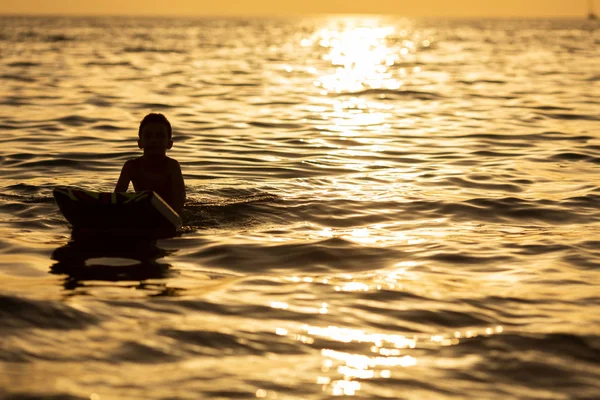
123,214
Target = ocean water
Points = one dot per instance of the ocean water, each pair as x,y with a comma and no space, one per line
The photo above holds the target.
378,208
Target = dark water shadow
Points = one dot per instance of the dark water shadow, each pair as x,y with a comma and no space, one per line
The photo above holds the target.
110,259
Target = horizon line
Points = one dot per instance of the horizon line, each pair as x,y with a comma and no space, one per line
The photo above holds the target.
290,15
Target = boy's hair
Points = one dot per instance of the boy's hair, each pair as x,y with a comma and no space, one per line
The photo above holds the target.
155,118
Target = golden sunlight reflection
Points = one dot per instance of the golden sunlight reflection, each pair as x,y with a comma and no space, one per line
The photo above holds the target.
388,352
357,366
358,362
365,56
391,278
280,305
347,335
372,235
361,57
345,388
321,308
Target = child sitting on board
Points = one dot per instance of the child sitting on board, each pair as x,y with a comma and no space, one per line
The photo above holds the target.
154,170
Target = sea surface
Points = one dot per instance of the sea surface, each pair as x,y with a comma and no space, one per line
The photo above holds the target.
378,208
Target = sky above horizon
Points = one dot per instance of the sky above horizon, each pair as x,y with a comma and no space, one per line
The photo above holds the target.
410,8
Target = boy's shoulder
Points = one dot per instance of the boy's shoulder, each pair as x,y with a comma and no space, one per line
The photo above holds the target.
172,163
132,162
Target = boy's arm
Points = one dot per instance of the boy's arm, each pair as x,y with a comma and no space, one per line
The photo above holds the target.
178,187
124,178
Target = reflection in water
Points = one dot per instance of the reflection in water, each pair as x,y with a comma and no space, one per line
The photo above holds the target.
113,260
362,58
387,353
370,62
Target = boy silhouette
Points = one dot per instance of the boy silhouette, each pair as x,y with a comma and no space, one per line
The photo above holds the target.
154,170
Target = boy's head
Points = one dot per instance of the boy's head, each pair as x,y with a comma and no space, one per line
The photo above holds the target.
155,118
155,134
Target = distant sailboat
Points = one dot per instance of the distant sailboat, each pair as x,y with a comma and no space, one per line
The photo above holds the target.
591,14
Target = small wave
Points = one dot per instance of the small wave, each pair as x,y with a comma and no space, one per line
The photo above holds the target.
583,259
176,72
499,209
515,358
108,127
497,97
392,94
591,244
570,157
480,81
99,102
57,162
237,209
20,78
584,347
589,200
544,211
537,249
153,105
178,85
277,103
141,49
27,199
43,37
75,120
23,64
24,187
138,352
15,101
20,313
9,127
44,396
455,258
504,187
202,342
275,125
59,37
551,108
489,153
108,64
326,255
570,116
439,318
528,138
230,83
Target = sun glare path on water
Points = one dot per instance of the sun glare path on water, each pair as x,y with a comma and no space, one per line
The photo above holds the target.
364,57
343,373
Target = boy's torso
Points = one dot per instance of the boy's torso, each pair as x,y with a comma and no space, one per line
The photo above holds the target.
152,176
